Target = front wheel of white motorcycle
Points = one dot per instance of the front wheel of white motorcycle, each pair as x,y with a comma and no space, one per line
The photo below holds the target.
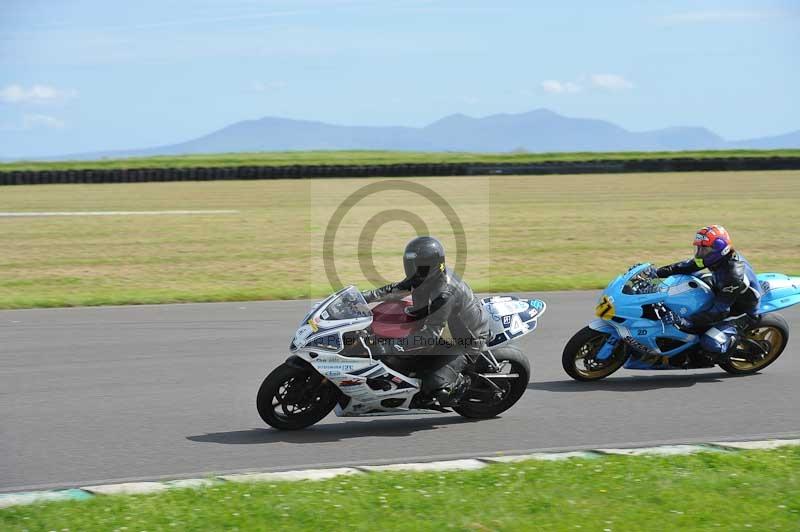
489,397
291,398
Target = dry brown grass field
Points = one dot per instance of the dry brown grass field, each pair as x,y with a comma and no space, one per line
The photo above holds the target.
523,233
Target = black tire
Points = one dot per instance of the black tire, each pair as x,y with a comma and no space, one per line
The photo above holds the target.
582,347
302,397
513,387
771,328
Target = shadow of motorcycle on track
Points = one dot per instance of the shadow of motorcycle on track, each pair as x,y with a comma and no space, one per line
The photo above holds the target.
332,432
631,384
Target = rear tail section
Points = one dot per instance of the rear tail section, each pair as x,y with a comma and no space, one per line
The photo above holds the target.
779,291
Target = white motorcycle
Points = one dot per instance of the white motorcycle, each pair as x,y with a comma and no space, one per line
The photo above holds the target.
332,365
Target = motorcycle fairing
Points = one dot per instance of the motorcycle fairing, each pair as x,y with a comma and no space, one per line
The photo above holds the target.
353,377
511,317
778,291
320,333
367,382
643,335
602,326
624,311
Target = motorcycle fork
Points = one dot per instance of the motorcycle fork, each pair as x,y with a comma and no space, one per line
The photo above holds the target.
607,348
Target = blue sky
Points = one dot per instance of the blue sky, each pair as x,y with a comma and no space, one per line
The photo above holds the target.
92,75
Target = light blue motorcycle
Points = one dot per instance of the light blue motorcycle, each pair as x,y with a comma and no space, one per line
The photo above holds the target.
634,328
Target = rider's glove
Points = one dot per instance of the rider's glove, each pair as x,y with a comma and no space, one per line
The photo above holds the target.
384,347
685,325
368,295
679,322
664,271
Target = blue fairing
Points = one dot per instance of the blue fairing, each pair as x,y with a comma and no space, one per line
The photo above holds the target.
602,326
638,300
605,327
778,291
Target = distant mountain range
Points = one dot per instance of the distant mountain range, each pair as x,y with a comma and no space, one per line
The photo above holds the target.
541,130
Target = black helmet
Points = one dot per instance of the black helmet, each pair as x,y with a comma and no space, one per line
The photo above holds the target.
423,258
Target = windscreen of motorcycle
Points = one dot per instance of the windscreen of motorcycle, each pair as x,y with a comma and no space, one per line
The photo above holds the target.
349,304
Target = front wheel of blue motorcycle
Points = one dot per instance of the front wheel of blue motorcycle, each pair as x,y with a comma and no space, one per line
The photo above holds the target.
580,356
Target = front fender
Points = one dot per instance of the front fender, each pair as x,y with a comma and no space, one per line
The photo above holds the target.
613,337
603,326
296,362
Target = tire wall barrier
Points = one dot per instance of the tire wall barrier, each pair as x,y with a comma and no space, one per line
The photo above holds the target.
142,175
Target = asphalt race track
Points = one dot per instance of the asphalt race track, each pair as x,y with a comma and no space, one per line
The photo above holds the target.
95,395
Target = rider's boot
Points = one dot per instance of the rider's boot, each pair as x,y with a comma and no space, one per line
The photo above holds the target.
723,358
741,343
452,394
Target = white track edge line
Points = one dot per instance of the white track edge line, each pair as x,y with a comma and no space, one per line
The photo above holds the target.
23,214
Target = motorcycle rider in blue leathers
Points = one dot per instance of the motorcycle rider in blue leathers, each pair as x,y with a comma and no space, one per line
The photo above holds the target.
736,292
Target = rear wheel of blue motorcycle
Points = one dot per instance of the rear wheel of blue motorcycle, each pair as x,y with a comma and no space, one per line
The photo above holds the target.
772,332
291,398
474,405
579,357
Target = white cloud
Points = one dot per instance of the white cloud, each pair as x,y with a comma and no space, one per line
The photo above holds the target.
267,86
611,82
696,17
558,87
36,94
35,121
41,121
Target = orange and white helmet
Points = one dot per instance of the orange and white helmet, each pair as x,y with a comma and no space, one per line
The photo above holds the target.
713,244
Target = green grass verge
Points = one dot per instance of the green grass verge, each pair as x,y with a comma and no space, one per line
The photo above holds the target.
524,233
371,157
754,490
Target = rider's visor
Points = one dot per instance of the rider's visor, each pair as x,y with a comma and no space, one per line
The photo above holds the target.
702,252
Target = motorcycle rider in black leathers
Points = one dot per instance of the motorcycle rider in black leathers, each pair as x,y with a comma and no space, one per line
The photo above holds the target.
454,326
736,292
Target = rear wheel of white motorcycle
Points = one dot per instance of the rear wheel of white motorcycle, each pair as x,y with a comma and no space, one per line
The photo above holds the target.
772,332
580,356
291,398
475,404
